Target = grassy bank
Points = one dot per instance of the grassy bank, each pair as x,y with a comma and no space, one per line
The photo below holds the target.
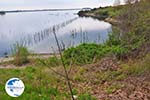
89,82
119,68
40,83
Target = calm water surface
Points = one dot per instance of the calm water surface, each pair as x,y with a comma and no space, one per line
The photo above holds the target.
35,30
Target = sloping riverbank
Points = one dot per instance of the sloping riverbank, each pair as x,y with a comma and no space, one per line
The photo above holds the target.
107,14
131,27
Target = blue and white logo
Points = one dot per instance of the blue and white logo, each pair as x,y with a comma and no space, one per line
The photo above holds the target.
14,87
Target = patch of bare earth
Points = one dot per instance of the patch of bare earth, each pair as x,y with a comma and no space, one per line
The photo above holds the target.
135,88
130,88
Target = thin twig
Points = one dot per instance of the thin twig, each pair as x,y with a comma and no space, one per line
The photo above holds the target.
66,73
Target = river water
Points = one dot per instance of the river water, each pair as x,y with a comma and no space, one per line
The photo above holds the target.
35,30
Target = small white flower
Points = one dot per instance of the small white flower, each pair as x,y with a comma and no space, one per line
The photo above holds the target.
75,97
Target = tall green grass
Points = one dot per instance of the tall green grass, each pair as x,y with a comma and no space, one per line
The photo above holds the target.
20,54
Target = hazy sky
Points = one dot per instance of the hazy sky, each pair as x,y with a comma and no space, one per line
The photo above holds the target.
38,4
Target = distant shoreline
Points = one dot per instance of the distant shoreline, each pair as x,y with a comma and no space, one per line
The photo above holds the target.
17,11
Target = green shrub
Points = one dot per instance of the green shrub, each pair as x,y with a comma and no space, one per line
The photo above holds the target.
84,53
21,54
119,51
114,38
116,44
88,53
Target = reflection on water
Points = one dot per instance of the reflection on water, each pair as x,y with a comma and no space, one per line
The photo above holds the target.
35,30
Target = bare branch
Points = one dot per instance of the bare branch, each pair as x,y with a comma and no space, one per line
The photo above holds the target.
66,73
